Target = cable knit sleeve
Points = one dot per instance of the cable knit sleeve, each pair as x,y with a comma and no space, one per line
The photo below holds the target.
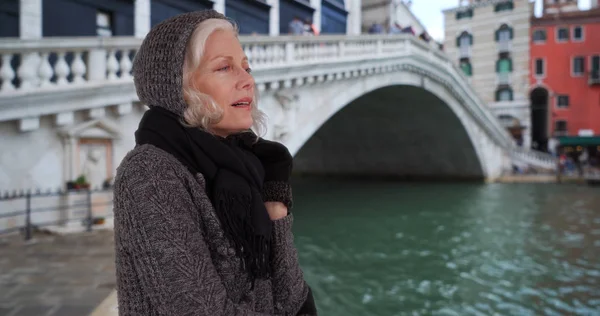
164,244
291,294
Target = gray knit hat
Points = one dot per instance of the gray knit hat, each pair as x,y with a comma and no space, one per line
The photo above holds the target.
158,64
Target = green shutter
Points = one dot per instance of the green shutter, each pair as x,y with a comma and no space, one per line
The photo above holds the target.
471,39
458,41
497,34
504,65
467,68
511,32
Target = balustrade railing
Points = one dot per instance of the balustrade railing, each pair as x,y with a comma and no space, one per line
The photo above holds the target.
59,62
50,63
535,158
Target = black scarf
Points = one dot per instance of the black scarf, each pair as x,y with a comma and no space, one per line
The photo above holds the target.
234,178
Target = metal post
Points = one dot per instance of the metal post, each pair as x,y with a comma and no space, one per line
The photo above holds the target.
28,216
89,211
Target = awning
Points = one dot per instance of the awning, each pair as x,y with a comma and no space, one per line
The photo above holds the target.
579,140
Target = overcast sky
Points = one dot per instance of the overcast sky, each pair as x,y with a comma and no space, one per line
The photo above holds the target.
430,13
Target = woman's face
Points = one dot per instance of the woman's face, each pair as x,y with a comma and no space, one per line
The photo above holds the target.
224,74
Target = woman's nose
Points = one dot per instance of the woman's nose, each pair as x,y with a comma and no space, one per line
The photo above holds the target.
245,81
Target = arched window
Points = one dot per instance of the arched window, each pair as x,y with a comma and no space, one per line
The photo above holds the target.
464,39
504,33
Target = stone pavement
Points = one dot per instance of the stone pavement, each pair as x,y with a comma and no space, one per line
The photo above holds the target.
54,275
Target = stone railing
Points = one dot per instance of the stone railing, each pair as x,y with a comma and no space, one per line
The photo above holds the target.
47,63
534,158
56,63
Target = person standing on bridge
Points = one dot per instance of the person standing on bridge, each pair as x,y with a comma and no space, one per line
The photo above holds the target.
202,221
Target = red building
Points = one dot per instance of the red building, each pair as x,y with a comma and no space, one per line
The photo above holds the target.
565,72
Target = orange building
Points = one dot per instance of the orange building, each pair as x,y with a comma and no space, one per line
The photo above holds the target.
565,72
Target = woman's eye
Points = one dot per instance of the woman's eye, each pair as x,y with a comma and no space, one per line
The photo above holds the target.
248,70
223,68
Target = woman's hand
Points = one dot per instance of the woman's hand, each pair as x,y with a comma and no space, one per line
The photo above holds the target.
275,158
277,163
276,210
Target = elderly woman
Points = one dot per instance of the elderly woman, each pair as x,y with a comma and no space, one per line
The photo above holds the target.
202,221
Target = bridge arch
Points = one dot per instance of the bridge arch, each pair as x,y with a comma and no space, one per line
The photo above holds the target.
326,113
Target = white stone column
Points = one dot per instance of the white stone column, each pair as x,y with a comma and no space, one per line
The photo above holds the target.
30,19
316,20
142,20
354,19
219,6
73,168
273,17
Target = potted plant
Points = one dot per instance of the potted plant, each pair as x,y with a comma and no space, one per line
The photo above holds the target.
98,221
81,183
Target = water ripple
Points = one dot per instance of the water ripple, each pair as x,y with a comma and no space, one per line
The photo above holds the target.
391,249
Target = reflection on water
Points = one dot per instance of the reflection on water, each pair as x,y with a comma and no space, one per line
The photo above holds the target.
384,248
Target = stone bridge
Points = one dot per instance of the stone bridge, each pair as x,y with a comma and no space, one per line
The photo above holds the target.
364,105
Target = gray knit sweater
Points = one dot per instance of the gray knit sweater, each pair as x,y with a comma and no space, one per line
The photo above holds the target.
172,256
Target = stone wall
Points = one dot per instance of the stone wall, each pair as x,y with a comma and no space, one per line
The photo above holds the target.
39,159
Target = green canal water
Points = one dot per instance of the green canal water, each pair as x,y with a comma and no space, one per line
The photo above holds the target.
386,248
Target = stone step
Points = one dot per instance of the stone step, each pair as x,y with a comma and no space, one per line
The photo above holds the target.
108,307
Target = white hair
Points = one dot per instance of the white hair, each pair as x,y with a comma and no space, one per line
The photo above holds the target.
202,110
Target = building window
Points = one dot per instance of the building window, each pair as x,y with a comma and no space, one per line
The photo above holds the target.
560,127
504,6
465,39
504,33
504,94
464,14
539,36
103,23
578,33
578,66
595,62
540,69
562,34
504,65
466,67
464,42
594,77
562,101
